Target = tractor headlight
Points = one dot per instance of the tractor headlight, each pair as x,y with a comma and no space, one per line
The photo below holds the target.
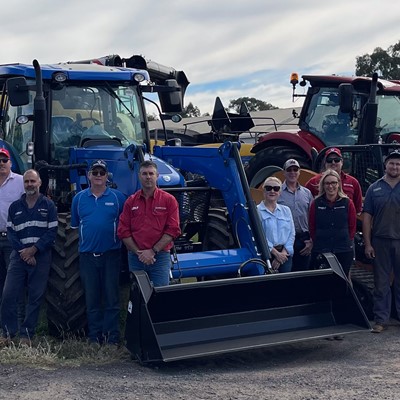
60,77
138,77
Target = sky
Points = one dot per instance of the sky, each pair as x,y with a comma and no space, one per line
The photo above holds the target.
227,48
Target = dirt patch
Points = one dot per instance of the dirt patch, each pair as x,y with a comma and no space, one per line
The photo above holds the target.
363,365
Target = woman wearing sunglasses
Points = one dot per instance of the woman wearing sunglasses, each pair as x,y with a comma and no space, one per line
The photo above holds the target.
332,221
277,222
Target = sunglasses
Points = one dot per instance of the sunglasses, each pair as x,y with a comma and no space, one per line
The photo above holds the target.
292,169
274,188
335,159
97,173
4,160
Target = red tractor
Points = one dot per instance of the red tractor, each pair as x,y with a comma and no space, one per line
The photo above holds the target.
337,111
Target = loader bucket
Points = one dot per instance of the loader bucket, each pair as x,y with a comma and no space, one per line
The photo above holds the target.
207,318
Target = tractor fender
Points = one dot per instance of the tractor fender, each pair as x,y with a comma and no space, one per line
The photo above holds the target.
300,139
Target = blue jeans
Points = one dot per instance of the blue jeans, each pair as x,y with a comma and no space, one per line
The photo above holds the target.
36,278
100,280
387,260
158,272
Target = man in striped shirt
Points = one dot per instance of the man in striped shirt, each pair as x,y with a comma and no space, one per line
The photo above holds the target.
31,229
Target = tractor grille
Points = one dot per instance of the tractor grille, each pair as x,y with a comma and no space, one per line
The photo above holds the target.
193,203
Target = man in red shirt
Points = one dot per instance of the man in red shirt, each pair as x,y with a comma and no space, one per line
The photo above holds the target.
148,225
350,185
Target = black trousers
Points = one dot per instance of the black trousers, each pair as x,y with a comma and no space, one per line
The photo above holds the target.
300,263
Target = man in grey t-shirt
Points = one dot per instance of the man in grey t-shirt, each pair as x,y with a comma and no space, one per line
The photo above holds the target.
381,217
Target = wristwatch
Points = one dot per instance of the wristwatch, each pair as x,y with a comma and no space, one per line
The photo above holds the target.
155,251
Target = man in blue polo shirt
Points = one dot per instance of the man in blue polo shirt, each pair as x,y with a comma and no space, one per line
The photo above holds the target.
95,211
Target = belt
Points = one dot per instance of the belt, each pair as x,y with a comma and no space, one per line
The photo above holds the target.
94,254
3,234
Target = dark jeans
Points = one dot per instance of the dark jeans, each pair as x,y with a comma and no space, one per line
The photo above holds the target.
100,280
387,260
19,273
5,252
300,263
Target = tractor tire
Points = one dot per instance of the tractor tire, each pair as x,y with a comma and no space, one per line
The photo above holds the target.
219,230
218,237
276,156
65,299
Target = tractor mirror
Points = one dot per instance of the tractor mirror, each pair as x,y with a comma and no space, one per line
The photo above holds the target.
346,97
171,101
18,91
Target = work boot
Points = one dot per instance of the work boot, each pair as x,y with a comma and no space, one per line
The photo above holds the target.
378,328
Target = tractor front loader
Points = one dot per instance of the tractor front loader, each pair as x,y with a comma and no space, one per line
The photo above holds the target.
252,309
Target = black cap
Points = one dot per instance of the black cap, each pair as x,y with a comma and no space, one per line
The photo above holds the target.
99,164
393,154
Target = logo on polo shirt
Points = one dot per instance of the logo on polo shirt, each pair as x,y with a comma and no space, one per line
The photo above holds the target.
134,208
160,208
109,204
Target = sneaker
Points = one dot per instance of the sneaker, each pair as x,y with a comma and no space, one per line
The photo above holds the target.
378,328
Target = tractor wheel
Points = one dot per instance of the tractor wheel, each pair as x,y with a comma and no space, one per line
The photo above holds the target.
219,230
218,236
66,310
275,156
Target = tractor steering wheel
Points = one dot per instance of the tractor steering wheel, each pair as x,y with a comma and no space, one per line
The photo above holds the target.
77,128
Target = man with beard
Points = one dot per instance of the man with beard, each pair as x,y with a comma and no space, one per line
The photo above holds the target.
31,229
381,232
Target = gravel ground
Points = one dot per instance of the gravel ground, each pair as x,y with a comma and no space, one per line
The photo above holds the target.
362,366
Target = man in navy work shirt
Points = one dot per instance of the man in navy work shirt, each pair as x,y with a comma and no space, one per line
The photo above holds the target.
381,233
95,211
31,229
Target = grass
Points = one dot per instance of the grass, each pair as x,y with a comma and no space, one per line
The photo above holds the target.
47,352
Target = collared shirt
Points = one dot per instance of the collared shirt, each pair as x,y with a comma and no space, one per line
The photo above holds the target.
278,226
147,220
350,186
97,219
299,203
383,203
12,189
32,226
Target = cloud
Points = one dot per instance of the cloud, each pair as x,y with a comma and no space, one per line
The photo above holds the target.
227,48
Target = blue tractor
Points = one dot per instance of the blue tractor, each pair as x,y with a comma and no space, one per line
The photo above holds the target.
59,118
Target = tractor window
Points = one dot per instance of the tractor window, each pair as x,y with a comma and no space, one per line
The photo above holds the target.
388,114
100,114
326,121
18,136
